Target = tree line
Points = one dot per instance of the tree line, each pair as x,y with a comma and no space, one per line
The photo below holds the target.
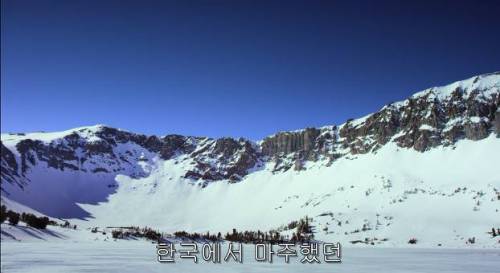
304,232
145,232
29,218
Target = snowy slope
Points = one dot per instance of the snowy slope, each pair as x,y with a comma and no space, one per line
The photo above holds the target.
397,193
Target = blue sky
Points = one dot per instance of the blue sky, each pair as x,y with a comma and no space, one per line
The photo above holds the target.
231,68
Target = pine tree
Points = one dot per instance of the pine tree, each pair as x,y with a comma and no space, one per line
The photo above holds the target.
3,214
13,218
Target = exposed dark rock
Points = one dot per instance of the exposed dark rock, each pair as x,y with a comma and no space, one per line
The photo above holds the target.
289,142
153,143
280,165
476,130
235,158
425,140
497,123
99,147
172,144
193,175
453,134
8,158
8,167
100,170
298,165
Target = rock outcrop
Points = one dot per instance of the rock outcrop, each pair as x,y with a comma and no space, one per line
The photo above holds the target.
497,123
8,166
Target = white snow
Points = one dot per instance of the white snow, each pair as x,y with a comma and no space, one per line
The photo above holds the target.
138,256
426,127
488,84
87,132
476,119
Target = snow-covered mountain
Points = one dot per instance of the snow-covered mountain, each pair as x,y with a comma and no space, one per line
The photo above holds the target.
425,167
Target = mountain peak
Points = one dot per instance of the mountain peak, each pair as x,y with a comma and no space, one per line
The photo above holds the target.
487,84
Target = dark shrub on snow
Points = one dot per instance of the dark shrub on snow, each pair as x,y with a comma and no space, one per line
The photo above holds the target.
13,217
34,221
3,214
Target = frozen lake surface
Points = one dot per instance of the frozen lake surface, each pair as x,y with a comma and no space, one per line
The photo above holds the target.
140,256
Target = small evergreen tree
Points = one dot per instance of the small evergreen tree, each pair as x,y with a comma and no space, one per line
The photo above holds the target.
13,218
3,214
117,234
34,221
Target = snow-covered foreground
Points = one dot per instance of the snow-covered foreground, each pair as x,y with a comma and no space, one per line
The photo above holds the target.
140,256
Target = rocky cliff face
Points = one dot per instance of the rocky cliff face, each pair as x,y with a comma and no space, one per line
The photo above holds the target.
437,116
433,117
428,119
497,122
101,149
8,167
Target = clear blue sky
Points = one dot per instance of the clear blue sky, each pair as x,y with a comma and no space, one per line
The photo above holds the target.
231,68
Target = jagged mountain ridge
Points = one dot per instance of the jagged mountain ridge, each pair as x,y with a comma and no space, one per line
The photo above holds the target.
465,109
